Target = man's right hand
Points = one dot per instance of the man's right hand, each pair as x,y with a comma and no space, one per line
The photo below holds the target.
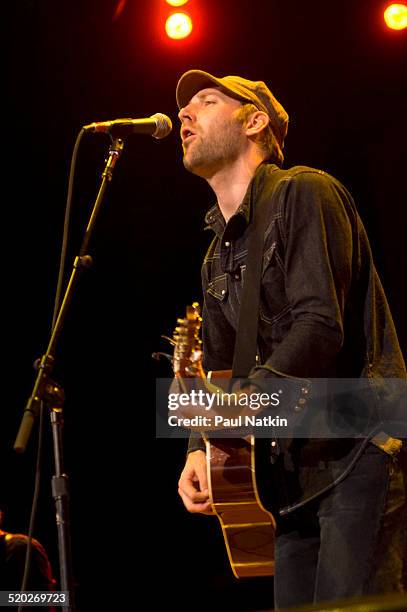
193,484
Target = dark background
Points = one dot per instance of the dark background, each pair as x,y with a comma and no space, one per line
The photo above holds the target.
340,74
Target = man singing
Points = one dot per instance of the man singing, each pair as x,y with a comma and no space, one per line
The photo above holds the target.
341,526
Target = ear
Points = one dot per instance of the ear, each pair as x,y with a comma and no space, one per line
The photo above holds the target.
257,122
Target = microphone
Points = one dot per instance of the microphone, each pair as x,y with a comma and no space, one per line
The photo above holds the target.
158,126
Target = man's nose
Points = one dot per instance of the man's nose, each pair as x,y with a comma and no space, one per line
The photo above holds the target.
185,113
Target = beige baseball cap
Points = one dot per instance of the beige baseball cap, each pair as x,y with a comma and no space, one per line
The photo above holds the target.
255,92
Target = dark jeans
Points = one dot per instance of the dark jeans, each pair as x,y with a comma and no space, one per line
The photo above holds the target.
350,542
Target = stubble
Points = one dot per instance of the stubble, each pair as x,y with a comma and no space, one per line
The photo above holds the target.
220,145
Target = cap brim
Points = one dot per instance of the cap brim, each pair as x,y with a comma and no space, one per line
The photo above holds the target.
191,82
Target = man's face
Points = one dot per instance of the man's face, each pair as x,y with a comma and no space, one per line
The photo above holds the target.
212,136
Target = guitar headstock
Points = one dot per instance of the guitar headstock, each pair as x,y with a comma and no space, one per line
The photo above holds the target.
188,345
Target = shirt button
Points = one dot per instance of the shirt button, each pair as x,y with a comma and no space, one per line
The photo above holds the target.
223,291
237,276
227,243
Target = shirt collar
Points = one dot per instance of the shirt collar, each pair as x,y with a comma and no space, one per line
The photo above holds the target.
215,221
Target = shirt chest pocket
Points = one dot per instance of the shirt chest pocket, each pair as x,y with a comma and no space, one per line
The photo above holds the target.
218,287
269,257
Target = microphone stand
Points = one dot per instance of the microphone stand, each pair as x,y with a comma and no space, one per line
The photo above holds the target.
48,391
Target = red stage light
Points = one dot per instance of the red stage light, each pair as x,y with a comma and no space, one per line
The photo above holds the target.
395,16
178,25
176,2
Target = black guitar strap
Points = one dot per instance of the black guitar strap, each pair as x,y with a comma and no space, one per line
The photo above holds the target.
244,356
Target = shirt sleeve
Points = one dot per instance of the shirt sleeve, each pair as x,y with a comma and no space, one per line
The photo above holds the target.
317,237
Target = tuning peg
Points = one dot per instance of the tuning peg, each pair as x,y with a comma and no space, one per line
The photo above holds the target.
170,340
157,355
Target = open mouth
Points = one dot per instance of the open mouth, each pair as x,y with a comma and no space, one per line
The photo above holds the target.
187,134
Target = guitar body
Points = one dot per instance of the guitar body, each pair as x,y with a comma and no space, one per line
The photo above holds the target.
234,466
247,527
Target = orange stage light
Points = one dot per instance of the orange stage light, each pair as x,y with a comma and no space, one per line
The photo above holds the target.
176,2
178,25
395,16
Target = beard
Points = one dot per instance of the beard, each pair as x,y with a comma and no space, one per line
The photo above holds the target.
221,145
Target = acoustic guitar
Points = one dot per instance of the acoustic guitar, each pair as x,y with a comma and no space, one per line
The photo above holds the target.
235,468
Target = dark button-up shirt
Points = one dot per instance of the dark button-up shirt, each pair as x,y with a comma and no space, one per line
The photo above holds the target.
323,311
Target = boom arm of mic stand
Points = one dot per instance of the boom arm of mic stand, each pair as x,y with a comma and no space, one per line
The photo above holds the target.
46,363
